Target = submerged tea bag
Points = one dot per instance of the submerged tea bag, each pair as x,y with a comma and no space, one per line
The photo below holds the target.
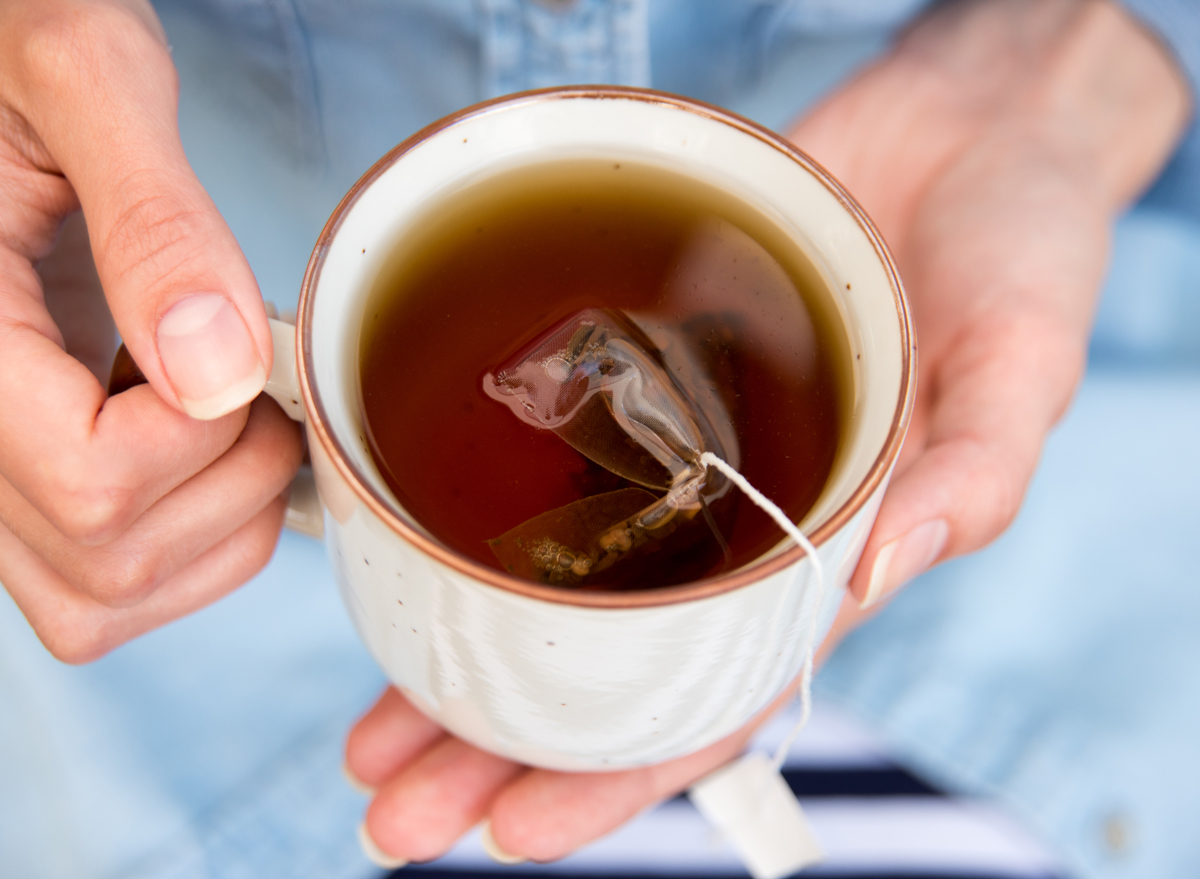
592,380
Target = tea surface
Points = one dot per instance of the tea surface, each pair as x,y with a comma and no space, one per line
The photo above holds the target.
504,258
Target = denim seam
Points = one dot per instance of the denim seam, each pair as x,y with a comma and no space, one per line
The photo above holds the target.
310,139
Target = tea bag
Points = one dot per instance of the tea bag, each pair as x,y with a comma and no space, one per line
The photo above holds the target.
593,381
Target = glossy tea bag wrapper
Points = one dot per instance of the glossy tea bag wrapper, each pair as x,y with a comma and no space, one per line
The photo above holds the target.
592,380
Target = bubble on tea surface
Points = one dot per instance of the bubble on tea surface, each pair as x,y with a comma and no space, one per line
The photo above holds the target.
593,381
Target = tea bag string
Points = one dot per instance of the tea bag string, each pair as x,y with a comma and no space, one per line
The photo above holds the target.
708,459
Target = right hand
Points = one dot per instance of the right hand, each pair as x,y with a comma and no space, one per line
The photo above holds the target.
994,146
120,514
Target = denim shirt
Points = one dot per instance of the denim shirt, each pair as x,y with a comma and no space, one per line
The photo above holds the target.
1067,688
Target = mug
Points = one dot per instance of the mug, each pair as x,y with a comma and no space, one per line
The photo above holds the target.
568,679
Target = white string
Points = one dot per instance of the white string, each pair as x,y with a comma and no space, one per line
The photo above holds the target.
772,509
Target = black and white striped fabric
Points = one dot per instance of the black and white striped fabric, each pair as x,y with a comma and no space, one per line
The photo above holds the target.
875,820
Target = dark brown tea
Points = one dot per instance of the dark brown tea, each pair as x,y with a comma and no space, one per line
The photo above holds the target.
713,291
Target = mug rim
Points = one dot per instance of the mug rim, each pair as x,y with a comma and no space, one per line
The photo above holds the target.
656,596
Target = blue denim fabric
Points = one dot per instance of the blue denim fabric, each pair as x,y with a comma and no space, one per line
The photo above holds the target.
209,748
1057,670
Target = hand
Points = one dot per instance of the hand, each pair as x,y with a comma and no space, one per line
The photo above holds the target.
993,147
430,788
119,514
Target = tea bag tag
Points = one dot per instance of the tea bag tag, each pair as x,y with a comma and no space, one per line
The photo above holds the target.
750,804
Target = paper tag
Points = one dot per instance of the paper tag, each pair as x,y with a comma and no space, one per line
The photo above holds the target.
750,804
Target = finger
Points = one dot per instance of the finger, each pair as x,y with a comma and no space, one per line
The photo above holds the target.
80,76
388,737
89,464
418,814
545,815
996,394
76,629
178,529
180,290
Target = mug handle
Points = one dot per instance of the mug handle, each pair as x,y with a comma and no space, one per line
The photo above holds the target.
305,513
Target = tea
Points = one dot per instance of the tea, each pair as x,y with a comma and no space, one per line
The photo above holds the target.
716,293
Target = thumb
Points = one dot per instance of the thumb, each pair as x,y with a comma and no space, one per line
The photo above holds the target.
102,92
979,429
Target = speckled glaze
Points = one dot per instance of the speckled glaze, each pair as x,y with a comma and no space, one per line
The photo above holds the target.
554,677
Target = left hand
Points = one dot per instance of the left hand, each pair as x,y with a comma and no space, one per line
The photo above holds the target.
430,788
993,148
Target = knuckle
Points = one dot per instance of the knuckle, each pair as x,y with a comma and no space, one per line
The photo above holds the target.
77,639
86,513
86,519
997,489
123,577
1006,496
66,46
262,547
155,235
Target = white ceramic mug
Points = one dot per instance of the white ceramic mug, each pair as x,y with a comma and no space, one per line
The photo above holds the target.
563,678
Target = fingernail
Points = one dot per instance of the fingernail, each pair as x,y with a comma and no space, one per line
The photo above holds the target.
377,856
209,356
904,558
497,854
356,783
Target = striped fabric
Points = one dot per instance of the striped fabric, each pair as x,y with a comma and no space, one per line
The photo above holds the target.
875,820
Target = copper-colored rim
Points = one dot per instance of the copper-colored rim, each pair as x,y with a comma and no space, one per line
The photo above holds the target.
639,598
